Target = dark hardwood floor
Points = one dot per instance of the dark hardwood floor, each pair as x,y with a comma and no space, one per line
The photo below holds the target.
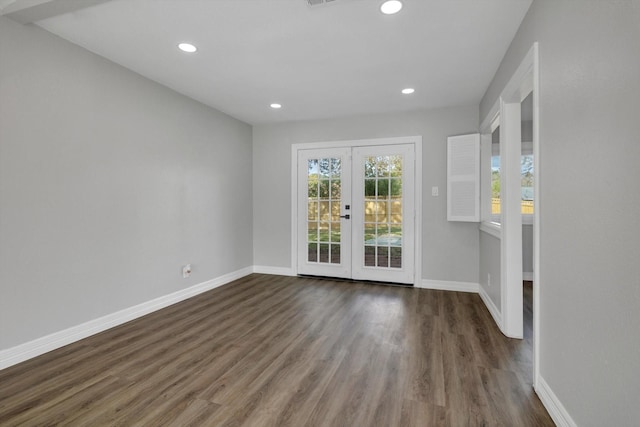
283,351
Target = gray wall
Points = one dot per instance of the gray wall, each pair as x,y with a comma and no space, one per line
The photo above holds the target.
490,264
450,249
527,248
589,202
109,183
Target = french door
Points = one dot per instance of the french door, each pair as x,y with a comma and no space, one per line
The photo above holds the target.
356,212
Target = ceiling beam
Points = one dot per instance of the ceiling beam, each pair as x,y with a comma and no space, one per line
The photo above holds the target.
27,11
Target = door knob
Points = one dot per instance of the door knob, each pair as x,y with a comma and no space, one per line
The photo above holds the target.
345,216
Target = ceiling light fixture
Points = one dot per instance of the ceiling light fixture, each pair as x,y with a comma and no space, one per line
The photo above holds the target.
390,7
408,91
275,106
187,47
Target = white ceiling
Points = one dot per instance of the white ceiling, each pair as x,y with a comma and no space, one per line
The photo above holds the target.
340,59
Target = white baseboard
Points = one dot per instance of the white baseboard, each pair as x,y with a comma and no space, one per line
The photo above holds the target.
444,285
527,275
28,350
488,302
555,408
277,271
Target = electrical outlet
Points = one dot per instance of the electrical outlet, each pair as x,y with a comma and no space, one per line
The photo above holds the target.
186,271
434,191
488,279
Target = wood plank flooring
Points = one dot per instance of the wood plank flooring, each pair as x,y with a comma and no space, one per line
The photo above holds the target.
283,351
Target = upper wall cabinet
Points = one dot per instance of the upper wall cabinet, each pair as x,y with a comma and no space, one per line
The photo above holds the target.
463,178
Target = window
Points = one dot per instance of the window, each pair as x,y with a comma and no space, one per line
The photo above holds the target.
526,179
527,175
495,175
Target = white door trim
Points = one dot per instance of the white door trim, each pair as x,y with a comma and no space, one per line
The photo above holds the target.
525,80
511,219
415,140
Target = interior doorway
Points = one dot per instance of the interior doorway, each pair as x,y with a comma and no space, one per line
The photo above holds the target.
523,83
508,107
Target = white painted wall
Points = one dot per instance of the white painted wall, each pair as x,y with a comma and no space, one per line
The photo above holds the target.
589,202
109,183
450,249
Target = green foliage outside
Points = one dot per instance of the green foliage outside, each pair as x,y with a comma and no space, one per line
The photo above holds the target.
383,182
526,170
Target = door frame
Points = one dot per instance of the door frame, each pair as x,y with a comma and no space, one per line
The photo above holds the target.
416,141
523,81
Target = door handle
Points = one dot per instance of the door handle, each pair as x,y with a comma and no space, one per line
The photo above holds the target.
345,216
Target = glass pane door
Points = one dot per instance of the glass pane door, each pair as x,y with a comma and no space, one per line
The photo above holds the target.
324,236
383,213
355,213
324,185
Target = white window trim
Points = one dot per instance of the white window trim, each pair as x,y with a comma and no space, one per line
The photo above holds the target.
492,228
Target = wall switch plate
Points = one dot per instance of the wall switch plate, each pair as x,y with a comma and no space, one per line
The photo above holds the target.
186,271
434,191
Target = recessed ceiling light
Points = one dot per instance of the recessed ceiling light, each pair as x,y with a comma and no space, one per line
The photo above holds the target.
187,47
391,6
408,91
275,106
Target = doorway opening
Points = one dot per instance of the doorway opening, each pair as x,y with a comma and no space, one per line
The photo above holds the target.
509,108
